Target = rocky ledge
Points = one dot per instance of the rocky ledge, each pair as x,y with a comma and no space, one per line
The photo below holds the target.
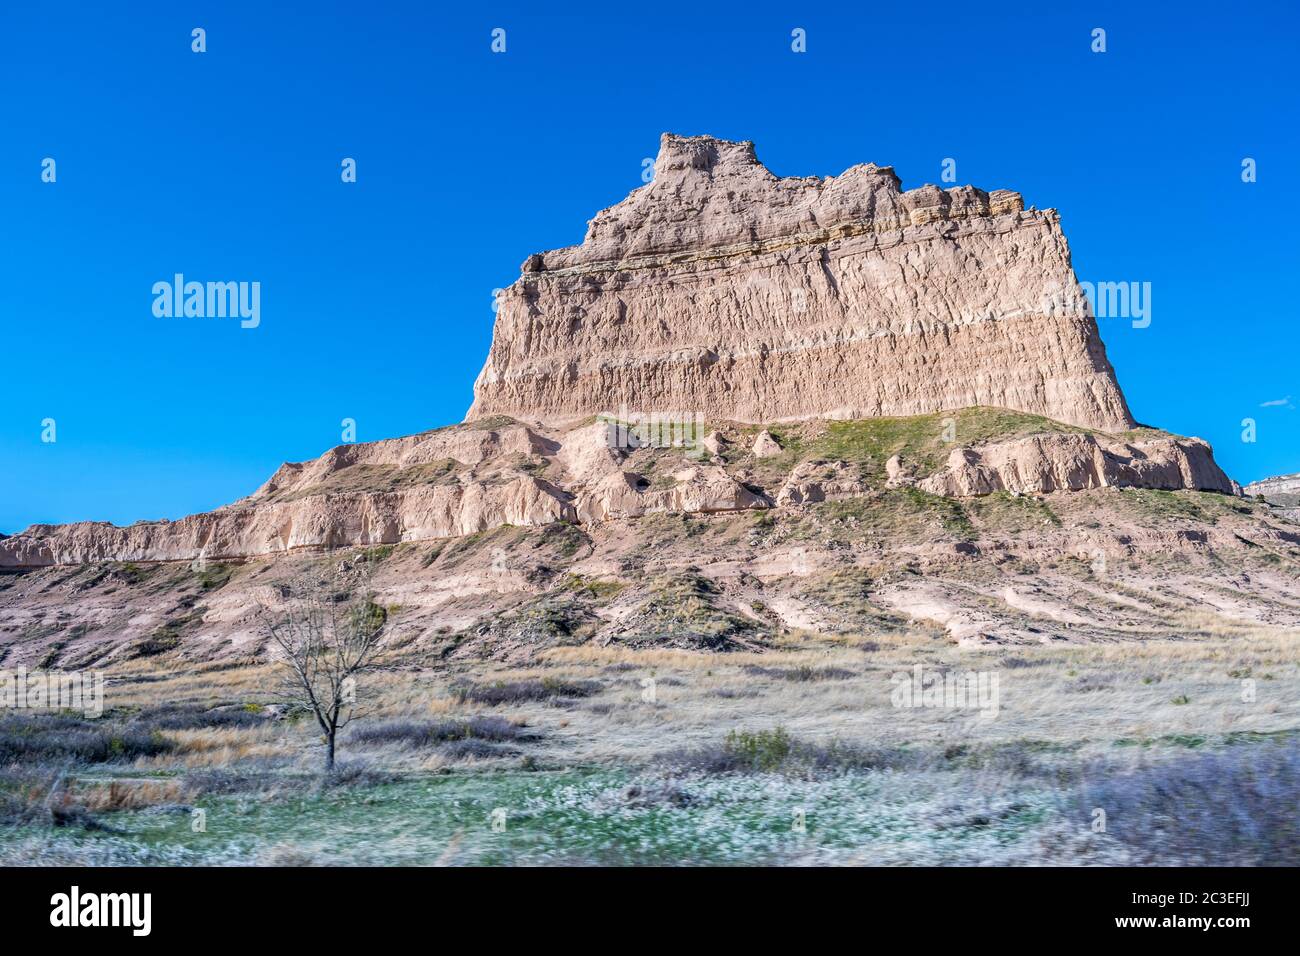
470,478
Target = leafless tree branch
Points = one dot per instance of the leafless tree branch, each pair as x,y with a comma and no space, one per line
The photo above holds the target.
326,634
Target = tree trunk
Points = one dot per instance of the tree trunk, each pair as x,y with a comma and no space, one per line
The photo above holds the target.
329,751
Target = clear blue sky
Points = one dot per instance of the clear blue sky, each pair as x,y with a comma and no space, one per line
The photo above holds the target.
376,296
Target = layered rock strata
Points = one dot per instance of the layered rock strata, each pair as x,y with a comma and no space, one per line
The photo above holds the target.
467,478
722,293
1283,487
1068,462
723,290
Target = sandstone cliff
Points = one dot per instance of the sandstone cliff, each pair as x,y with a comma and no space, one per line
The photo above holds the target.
723,290
902,422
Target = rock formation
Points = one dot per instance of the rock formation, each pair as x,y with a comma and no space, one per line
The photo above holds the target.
1066,462
470,478
723,290
1281,491
725,295
1281,486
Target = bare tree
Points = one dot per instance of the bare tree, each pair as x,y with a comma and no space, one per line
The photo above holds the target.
327,633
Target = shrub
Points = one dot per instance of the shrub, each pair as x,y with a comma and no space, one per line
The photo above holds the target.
764,750
228,780
157,644
195,717
214,577
1230,808
517,692
480,749
58,737
1090,683
423,733
600,590
1015,663
356,773
776,751
801,674
22,791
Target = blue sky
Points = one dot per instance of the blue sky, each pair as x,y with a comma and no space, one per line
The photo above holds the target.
376,296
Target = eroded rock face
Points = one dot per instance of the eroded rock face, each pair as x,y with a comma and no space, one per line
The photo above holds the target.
898,471
723,290
723,294
695,489
814,481
1279,486
438,484
765,446
318,521
466,479
1075,462
1281,491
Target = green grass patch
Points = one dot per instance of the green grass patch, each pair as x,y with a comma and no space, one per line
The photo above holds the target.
491,422
921,439
595,588
214,576
1161,506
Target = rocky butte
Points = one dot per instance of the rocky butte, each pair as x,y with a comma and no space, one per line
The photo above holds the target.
727,294
722,289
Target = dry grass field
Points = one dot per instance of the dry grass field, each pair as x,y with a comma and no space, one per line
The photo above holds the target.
799,754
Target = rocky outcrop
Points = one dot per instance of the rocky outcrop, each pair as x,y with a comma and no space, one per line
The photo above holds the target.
898,472
315,521
719,293
1285,488
1075,462
696,489
438,484
765,446
814,481
1282,492
723,290
466,479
